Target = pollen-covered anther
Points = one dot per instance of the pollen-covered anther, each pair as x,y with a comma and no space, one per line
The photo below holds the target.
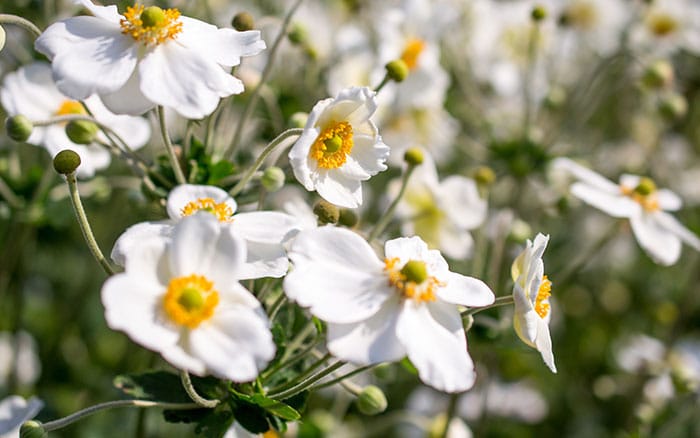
151,25
190,300
543,293
221,210
69,107
333,145
412,279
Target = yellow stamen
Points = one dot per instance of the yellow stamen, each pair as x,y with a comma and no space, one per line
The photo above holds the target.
221,210
648,201
333,145
543,293
190,300
419,291
70,107
412,51
152,25
662,24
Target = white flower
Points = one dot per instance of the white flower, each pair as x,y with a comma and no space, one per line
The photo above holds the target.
30,91
382,310
637,199
265,232
667,26
146,57
19,359
180,296
14,410
440,212
340,147
531,293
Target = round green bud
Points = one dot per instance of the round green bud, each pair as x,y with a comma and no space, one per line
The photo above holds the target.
348,217
298,120
673,106
658,75
152,16
397,70
326,212
413,156
19,128
272,179
371,401
415,271
297,34
243,21
645,187
32,429
538,13
2,37
555,98
66,161
484,176
81,131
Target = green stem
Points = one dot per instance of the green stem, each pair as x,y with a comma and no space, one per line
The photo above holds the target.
386,217
6,192
21,22
500,301
306,383
277,305
198,399
449,414
382,83
343,377
174,162
302,376
85,225
252,101
65,421
294,344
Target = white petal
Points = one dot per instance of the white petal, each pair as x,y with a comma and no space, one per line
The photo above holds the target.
355,105
135,131
30,91
132,241
668,200
586,175
663,246
15,410
180,356
543,342
452,241
183,194
339,190
370,153
263,260
439,354
372,340
266,226
185,80
671,224
89,55
224,46
299,158
459,198
467,291
128,99
612,204
108,13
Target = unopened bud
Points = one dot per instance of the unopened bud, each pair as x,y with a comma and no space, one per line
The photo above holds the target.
298,120
326,212
673,106
538,13
66,161
32,429
348,217
658,75
19,128
243,21
152,16
397,70
484,176
272,179
413,156
371,401
81,131
297,34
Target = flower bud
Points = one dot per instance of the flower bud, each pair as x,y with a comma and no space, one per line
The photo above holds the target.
413,156
81,131
19,128
658,75
152,16
673,106
538,13
272,179
326,212
397,70
2,37
371,401
297,34
32,429
66,161
348,217
298,120
484,176
243,21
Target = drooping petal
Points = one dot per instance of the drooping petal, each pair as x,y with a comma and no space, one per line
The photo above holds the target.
662,245
184,194
671,224
369,341
466,291
543,343
89,55
439,354
612,204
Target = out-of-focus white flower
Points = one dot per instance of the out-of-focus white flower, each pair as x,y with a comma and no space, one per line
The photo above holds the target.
596,24
180,296
531,293
640,353
18,359
15,410
340,147
516,400
440,212
146,57
637,199
30,91
667,26
380,311
265,232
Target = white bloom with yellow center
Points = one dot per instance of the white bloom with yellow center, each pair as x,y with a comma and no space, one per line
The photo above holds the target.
382,310
531,294
265,232
146,57
180,296
30,91
340,147
637,199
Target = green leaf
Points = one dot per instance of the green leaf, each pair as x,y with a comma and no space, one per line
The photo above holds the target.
250,416
276,407
219,170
